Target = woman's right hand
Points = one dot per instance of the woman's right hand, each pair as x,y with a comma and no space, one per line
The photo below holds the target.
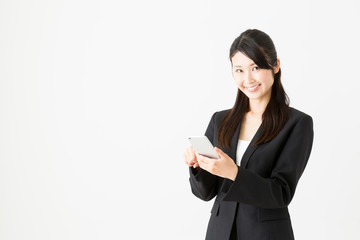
190,157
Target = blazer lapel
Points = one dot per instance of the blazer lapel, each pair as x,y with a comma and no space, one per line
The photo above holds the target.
234,142
250,149
232,152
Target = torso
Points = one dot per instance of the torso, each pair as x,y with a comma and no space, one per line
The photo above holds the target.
249,126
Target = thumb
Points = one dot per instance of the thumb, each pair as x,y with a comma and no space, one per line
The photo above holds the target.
219,152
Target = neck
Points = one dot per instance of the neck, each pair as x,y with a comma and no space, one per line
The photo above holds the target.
257,107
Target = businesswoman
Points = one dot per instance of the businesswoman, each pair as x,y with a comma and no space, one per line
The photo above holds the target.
263,147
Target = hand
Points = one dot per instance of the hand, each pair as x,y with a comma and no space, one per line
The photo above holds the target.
223,167
190,158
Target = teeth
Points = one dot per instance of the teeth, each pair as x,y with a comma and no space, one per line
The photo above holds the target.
252,88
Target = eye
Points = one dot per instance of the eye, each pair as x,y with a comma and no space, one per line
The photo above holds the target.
238,70
255,68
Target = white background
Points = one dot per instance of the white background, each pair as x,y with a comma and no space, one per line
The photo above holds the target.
97,98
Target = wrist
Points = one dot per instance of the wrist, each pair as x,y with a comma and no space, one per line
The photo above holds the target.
234,173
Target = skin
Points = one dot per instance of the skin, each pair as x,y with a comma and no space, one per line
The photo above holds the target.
256,84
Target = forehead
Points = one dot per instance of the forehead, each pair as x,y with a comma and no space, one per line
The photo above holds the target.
241,60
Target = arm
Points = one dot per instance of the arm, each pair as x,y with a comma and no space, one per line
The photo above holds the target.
278,190
204,184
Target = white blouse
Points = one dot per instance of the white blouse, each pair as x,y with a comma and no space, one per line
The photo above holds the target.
241,148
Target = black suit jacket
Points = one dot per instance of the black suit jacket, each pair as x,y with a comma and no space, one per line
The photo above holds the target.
265,183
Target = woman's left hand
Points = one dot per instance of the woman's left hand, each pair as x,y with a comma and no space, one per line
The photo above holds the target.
223,167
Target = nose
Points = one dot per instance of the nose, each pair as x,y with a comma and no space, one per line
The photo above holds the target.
248,77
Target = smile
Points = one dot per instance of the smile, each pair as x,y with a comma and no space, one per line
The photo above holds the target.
253,88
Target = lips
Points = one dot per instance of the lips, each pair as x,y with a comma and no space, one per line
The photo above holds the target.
253,88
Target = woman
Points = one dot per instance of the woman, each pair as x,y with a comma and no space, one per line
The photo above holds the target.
263,147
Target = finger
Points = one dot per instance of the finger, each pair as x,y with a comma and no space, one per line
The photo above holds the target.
188,160
199,157
203,163
186,157
220,152
193,156
204,160
189,157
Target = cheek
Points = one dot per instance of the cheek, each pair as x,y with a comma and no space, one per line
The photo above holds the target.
266,78
238,81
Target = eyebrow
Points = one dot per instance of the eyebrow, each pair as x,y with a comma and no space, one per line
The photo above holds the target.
249,65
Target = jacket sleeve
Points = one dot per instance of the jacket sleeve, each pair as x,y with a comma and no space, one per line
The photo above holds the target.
204,184
277,190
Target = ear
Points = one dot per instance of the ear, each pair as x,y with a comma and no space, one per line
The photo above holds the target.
277,67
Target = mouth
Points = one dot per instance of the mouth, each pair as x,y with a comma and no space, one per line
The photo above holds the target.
253,88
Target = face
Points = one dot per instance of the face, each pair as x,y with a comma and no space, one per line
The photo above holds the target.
253,81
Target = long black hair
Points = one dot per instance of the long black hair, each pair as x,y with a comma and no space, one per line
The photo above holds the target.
259,47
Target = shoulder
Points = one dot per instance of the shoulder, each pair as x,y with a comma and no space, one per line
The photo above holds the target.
299,118
296,115
218,115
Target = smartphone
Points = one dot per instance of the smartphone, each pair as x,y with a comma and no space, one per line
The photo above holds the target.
203,146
